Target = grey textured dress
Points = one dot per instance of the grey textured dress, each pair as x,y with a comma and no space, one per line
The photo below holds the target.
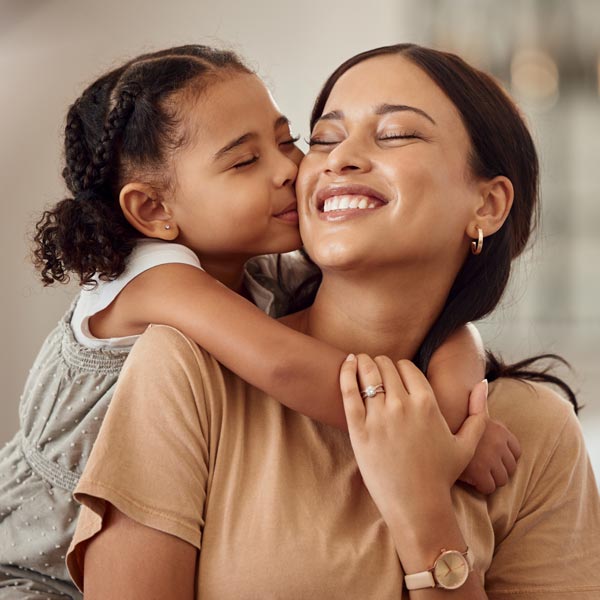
65,398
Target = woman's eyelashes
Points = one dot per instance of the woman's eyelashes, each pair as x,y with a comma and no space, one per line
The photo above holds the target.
316,140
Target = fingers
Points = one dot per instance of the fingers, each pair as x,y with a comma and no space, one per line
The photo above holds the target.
500,475
486,484
509,462
392,382
370,377
353,403
514,445
478,398
414,381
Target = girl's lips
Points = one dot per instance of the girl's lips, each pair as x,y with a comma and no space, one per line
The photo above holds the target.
289,214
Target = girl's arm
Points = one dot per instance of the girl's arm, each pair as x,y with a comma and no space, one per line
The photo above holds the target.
454,370
147,564
299,371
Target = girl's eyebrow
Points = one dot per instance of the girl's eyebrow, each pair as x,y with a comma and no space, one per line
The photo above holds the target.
382,109
281,120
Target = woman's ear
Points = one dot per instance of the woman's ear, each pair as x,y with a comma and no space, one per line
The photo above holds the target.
147,212
496,201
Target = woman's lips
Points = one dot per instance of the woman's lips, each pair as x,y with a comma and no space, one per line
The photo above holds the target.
337,202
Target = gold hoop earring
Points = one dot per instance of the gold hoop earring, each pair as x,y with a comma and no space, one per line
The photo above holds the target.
477,247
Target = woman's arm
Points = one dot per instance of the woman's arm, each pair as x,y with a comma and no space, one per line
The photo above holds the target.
129,560
409,460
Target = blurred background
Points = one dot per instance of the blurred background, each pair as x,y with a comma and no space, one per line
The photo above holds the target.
546,52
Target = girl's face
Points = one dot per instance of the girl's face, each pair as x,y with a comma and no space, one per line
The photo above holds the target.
386,180
234,180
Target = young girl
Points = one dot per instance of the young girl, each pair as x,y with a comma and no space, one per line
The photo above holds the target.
181,168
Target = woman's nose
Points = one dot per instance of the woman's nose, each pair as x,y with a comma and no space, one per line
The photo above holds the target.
348,155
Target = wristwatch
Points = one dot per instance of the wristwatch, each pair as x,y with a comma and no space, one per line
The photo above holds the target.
450,570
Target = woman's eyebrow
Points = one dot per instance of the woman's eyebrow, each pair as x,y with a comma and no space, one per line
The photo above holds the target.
384,109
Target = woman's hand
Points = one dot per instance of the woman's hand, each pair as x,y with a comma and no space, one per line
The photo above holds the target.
403,446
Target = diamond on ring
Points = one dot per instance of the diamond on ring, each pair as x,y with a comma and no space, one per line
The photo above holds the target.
372,390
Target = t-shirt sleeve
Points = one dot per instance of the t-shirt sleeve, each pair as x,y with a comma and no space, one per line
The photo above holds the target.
552,551
151,456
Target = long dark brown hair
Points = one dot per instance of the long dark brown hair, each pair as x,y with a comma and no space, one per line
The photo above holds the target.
500,145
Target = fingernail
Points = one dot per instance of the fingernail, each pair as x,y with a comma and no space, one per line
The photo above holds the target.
485,381
350,357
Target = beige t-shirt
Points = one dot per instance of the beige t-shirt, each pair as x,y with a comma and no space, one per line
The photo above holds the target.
276,505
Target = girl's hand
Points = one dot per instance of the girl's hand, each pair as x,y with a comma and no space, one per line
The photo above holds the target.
402,444
495,459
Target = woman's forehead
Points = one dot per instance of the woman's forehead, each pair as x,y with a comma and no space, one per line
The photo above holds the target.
388,79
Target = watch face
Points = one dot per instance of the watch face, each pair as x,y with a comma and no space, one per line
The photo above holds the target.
451,570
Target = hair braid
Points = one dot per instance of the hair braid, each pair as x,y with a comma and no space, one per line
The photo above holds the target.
77,153
98,169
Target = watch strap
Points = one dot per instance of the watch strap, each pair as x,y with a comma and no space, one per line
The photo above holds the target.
419,581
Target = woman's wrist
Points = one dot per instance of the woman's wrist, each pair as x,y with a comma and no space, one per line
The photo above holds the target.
421,533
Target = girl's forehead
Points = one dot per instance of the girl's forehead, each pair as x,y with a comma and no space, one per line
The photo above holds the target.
237,105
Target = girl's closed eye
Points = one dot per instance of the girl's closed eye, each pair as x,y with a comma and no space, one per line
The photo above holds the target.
246,162
290,141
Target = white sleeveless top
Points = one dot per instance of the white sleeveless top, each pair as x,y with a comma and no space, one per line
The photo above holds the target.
148,253
271,281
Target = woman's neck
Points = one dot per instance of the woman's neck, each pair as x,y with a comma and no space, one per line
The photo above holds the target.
229,272
377,313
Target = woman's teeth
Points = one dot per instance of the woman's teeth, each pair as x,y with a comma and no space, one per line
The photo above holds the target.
348,202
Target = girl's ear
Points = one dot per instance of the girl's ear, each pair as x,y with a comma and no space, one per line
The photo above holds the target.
147,212
496,198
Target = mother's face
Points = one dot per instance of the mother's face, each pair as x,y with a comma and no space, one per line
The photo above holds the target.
386,180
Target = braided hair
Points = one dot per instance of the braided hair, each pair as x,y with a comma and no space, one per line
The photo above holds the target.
125,124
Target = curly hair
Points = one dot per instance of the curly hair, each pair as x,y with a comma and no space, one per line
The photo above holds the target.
127,122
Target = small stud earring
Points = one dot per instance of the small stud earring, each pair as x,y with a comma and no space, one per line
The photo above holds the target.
167,227
477,246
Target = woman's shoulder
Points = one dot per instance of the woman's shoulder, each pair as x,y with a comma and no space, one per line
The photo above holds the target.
529,402
165,351
544,422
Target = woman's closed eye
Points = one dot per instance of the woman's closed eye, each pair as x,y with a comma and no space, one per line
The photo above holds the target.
384,137
399,136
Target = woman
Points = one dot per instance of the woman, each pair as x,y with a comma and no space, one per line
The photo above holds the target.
416,160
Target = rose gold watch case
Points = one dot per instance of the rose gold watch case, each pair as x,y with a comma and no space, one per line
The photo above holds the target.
457,569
